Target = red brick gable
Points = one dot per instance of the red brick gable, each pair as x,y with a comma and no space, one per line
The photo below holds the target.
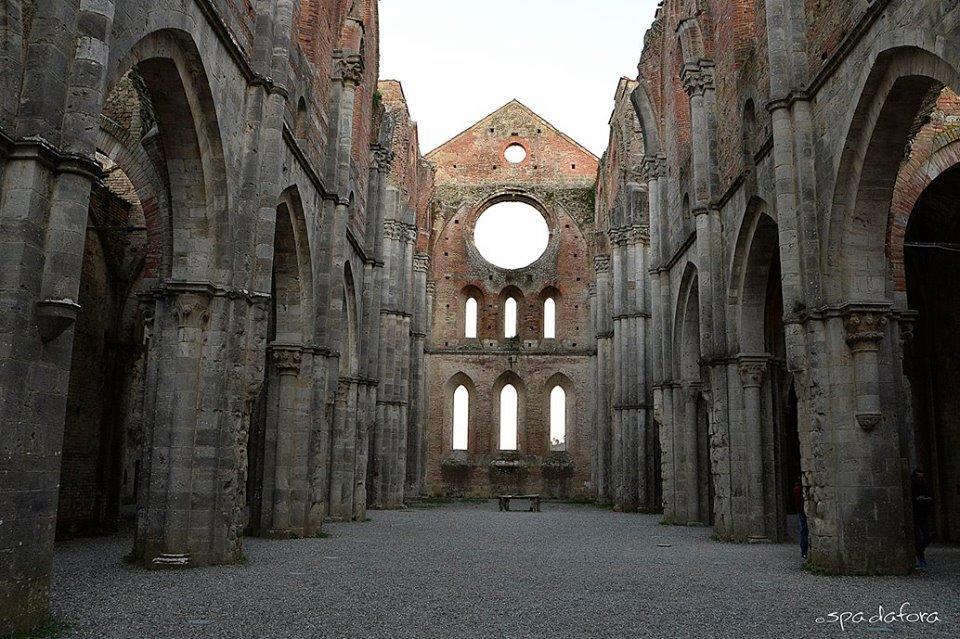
475,156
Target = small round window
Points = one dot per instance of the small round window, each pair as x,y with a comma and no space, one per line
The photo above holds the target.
515,154
511,235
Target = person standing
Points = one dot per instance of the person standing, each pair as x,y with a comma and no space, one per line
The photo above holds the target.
801,518
922,510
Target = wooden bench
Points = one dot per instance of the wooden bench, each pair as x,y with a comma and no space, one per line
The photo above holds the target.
533,499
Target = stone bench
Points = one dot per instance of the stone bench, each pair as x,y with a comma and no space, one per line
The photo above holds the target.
534,500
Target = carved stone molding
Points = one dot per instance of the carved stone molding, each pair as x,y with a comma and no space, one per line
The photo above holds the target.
55,316
697,78
192,310
350,68
654,167
602,263
752,369
287,358
865,328
421,262
383,158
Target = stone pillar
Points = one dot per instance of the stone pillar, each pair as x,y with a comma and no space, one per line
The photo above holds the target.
46,168
346,407
691,395
752,370
287,520
416,424
864,331
604,334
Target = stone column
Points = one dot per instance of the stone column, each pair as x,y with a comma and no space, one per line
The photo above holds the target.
416,425
752,370
604,334
691,395
287,517
334,255
864,331
45,183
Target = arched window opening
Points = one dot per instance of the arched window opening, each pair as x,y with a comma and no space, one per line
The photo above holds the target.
461,418
508,418
470,319
558,419
510,318
549,319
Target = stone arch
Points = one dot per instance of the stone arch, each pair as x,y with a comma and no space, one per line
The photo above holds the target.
132,157
350,326
509,378
690,37
173,74
293,275
649,121
687,327
757,244
900,81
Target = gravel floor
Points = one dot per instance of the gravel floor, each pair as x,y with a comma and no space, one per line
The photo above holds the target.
466,570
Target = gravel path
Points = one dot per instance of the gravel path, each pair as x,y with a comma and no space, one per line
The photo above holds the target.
468,571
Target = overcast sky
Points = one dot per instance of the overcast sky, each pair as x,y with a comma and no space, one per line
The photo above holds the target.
459,60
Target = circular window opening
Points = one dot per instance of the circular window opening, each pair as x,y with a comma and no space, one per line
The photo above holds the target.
511,235
515,154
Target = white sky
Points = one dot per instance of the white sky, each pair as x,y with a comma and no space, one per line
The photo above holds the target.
459,60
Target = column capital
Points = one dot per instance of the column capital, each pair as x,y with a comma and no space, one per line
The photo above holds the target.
382,158
865,327
287,358
350,69
601,264
654,167
192,309
421,262
752,369
697,77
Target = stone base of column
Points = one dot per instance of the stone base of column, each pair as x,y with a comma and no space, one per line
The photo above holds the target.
170,560
24,606
758,539
286,533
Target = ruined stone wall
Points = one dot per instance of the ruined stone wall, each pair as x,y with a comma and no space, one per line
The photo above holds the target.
762,124
220,329
626,446
557,177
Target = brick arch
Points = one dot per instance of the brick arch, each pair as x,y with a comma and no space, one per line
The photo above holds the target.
129,154
917,174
